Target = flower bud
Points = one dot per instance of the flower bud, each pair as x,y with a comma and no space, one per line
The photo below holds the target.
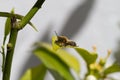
91,77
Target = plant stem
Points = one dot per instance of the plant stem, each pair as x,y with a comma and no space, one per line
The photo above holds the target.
3,58
9,56
10,15
31,13
13,36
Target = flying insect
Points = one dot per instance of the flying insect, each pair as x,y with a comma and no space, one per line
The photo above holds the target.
63,41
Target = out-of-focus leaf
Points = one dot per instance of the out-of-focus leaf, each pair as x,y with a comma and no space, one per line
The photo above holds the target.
56,75
70,60
53,61
87,56
111,69
36,73
66,57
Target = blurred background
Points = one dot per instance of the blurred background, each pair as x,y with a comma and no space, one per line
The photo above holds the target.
87,22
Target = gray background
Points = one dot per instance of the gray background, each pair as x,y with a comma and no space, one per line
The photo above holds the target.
88,22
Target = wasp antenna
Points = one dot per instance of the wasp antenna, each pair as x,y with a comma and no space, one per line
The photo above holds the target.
56,33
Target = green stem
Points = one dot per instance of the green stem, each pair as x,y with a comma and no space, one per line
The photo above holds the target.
13,37
3,58
9,56
31,13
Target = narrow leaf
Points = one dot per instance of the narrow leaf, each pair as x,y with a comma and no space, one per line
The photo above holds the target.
87,56
70,60
36,73
56,75
7,28
52,61
66,57
111,69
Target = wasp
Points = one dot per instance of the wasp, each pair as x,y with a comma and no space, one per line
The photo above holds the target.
63,41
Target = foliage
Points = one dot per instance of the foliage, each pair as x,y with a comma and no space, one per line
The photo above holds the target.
12,27
59,62
36,73
54,58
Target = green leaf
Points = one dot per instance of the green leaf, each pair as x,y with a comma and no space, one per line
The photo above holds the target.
66,57
36,73
70,60
56,75
111,69
53,61
7,28
87,56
